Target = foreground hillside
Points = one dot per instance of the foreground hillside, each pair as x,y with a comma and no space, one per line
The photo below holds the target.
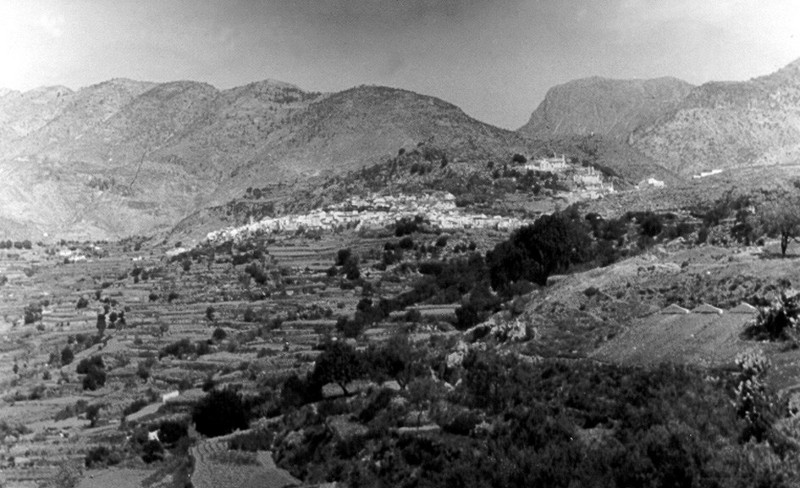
405,341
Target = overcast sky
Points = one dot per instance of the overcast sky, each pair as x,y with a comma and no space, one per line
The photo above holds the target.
494,59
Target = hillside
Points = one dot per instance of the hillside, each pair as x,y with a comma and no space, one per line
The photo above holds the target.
364,125
602,106
155,153
729,124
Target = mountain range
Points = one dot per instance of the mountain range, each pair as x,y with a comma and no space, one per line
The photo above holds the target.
127,157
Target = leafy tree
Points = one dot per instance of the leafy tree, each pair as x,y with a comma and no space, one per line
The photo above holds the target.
93,414
32,313
780,216
101,456
350,268
342,256
95,378
87,364
424,392
219,413
178,349
67,355
397,359
349,328
101,323
297,391
536,251
651,225
219,334
340,363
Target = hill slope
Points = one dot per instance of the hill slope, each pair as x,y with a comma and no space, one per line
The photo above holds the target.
124,156
602,106
729,124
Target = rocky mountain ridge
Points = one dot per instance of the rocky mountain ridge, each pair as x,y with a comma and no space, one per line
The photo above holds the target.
603,106
724,125
157,152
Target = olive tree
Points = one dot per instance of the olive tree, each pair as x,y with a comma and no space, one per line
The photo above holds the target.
780,217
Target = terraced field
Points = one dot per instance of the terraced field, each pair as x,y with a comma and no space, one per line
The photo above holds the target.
215,465
272,329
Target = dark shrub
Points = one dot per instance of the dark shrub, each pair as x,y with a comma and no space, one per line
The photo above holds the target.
100,456
406,243
152,451
171,431
67,356
219,413
651,225
342,256
219,334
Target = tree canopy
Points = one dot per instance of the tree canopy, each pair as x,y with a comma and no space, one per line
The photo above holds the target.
536,251
779,216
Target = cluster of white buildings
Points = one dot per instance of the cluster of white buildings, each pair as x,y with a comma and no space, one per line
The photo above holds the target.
374,212
550,165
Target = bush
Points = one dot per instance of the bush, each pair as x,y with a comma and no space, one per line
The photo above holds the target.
32,313
178,349
134,407
94,379
296,392
171,431
342,256
82,303
249,315
86,364
219,334
152,451
651,225
407,225
100,456
350,268
67,355
406,243
349,328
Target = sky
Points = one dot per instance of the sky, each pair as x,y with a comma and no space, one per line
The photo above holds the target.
495,59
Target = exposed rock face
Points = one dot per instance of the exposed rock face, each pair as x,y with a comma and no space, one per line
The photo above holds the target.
603,106
722,125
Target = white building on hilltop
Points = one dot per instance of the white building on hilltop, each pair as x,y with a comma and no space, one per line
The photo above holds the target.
650,182
550,165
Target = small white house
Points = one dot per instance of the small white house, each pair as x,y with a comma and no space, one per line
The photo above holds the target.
169,396
651,182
